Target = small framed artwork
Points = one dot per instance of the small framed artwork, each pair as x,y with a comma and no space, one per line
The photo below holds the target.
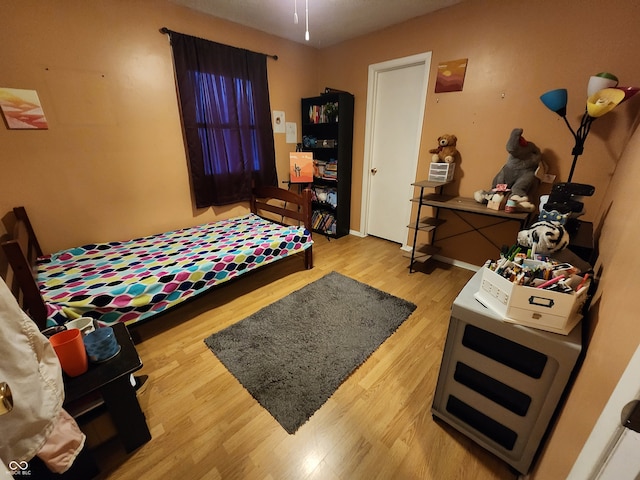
292,132
278,122
21,109
451,76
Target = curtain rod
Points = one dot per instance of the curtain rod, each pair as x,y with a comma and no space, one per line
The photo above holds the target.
165,30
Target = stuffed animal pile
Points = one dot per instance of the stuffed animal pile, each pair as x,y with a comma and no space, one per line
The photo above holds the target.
517,175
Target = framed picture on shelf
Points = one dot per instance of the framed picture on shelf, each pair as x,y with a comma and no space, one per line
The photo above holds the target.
301,167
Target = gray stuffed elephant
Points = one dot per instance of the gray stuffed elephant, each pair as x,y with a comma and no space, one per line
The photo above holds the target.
519,173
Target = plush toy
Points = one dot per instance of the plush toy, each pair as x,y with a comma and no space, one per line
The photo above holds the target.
544,237
553,216
518,174
446,151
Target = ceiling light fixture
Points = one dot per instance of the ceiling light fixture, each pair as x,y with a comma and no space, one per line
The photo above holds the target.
306,8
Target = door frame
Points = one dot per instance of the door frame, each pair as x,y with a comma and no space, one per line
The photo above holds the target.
608,429
372,89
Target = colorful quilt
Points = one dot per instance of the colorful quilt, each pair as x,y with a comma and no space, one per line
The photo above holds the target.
130,281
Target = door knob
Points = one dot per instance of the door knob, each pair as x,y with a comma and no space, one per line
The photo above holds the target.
374,170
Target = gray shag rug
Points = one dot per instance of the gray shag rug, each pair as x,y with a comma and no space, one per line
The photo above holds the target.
293,354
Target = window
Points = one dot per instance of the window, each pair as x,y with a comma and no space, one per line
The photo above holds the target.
226,116
226,131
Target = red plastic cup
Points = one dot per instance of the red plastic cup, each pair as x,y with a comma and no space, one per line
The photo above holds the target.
69,348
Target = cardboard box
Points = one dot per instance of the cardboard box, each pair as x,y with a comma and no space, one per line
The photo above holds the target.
497,202
534,307
441,172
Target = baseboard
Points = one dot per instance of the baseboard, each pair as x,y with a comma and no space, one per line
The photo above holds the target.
457,263
449,261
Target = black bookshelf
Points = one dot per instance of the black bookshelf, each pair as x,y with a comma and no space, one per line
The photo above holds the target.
327,132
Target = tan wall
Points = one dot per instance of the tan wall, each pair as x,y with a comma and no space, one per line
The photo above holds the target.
112,164
613,330
118,170
516,52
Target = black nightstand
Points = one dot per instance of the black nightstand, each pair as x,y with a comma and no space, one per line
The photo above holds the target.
109,383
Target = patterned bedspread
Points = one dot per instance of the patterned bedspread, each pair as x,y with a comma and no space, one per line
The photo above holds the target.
130,281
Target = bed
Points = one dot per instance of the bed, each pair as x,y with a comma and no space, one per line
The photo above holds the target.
134,280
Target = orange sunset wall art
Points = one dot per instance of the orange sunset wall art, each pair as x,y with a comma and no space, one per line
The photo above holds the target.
451,76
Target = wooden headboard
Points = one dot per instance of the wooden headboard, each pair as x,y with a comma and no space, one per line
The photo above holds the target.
288,205
21,250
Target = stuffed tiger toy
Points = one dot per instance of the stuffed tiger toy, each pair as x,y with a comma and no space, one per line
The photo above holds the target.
544,237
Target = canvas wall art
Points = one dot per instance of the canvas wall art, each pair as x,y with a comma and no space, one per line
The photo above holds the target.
301,167
451,76
22,109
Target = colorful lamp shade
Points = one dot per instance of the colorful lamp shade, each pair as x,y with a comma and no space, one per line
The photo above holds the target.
603,96
628,92
600,81
556,101
603,101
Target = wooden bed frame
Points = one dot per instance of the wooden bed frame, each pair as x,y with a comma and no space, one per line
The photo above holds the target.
259,204
22,248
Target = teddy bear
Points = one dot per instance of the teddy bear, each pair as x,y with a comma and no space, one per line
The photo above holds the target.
517,175
446,151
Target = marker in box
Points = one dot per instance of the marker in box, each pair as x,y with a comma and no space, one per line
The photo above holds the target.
548,283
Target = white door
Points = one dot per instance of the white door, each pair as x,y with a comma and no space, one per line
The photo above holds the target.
612,451
395,110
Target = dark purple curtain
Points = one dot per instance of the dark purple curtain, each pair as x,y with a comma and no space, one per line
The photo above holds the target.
226,115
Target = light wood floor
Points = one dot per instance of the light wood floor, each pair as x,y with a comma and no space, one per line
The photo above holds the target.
378,424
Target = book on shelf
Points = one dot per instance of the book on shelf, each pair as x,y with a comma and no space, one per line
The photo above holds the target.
331,170
318,168
323,221
327,113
